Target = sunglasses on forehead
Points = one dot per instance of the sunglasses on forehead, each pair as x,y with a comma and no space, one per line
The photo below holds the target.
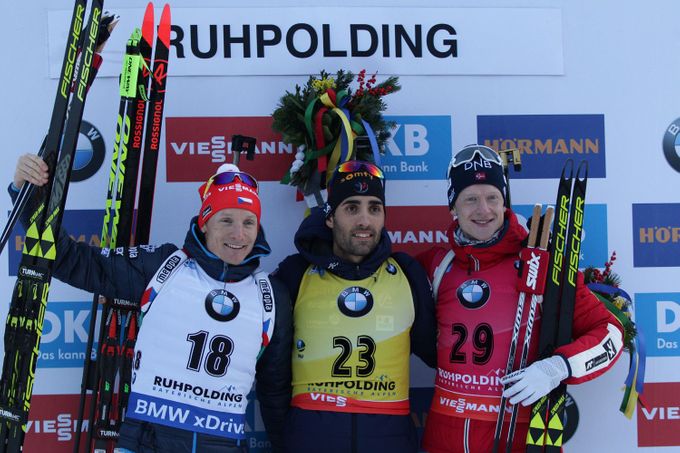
468,154
230,176
356,165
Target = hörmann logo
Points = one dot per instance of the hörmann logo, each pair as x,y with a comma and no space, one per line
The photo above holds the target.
656,235
419,148
546,141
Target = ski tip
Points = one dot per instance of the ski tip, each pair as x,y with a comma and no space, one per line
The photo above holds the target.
164,26
582,167
568,169
148,23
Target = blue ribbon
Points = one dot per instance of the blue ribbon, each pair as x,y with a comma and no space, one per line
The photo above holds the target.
374,142
608,289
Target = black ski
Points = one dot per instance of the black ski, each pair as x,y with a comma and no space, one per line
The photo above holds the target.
536,266
99,374
517,325
546,418
59,110
29,299
154,124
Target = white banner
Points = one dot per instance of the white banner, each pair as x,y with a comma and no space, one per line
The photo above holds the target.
293,41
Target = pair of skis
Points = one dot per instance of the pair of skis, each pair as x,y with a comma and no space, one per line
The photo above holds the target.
546,424
556,282
138,128
25,319
532,282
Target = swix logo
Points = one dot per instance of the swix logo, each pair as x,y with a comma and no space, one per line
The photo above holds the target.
419,148
196,147
659,418
339,401
534,264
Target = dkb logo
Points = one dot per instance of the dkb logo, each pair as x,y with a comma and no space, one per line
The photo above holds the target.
419,148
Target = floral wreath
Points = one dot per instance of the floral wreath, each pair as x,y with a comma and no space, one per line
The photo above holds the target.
605,285
323,118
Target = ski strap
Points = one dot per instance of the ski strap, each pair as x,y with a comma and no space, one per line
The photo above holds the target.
439,272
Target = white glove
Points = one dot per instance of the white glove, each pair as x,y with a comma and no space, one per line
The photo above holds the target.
535,381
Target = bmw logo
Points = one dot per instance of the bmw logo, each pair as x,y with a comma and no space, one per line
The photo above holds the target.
473,293
300,345
671,145
222,305
355,301
90,152
391,269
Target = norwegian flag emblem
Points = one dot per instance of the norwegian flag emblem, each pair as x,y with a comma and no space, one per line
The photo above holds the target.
479,176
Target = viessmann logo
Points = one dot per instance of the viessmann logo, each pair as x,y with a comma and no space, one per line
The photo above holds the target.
656,235
658,420
547,141
197,146
414,229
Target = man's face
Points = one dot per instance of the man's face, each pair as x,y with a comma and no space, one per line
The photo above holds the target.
357,224
479,208
230,234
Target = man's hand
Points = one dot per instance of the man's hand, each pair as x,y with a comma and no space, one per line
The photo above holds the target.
31,168
535,381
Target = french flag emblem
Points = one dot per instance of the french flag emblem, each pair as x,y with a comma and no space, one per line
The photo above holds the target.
244,200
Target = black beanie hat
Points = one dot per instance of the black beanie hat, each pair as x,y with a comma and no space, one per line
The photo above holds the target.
359,182
474,164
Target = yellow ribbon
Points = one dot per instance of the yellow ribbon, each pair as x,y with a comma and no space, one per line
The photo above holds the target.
337,150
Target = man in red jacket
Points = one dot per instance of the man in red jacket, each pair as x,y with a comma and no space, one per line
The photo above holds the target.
476,307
